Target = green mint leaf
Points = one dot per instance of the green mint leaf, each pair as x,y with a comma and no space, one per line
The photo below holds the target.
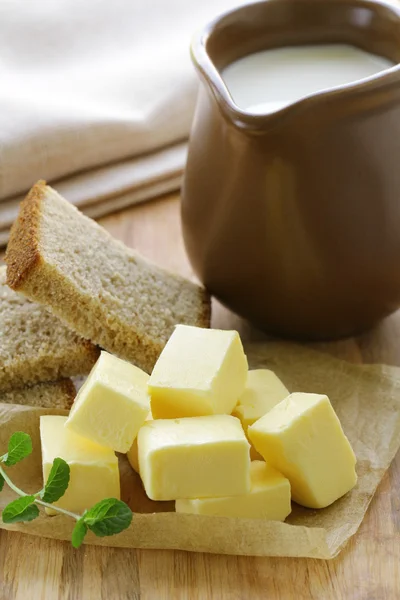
79,532
1,482
21,509
108,517
57,481
19,447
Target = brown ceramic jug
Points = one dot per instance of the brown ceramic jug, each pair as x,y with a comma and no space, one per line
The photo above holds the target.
292,219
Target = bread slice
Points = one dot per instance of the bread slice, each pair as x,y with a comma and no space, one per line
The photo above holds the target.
100,288
57,394
34,345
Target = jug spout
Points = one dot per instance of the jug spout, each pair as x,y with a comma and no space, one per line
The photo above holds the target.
291,215
265,58
267,81
267,108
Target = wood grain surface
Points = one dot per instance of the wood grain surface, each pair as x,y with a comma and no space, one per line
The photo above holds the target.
368,569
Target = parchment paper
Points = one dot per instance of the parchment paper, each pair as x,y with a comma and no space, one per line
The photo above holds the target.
367,401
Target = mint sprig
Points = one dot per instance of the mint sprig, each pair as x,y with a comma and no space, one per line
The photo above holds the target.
107,517
57,481
22,509
79,532
19,447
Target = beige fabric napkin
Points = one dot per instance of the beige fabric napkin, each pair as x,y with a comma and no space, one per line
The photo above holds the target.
96,97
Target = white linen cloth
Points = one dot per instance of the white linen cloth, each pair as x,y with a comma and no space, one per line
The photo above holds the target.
97,97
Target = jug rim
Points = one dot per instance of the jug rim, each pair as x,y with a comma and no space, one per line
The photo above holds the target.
211,74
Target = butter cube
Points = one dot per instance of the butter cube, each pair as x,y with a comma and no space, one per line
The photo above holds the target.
269,498
94,473
132,454
262,392
112,404
200,372
303,439
194,458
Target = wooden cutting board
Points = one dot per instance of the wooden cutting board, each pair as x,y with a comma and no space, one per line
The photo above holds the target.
368,569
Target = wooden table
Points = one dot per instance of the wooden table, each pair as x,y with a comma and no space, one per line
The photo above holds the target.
368,569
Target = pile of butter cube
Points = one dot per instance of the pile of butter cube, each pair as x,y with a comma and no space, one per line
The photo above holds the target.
202,430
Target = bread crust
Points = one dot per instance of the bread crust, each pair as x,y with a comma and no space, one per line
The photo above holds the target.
30,272
23,253
46,351
67,387
63,392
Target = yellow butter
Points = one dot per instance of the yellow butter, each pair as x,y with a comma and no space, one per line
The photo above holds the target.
194,457
94,473
303,439
269,498
112,404
262,392
132,454
199,372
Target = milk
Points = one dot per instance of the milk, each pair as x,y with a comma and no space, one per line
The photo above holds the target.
267,81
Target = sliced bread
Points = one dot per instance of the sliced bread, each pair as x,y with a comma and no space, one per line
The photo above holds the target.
34,345
101,289
57,394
